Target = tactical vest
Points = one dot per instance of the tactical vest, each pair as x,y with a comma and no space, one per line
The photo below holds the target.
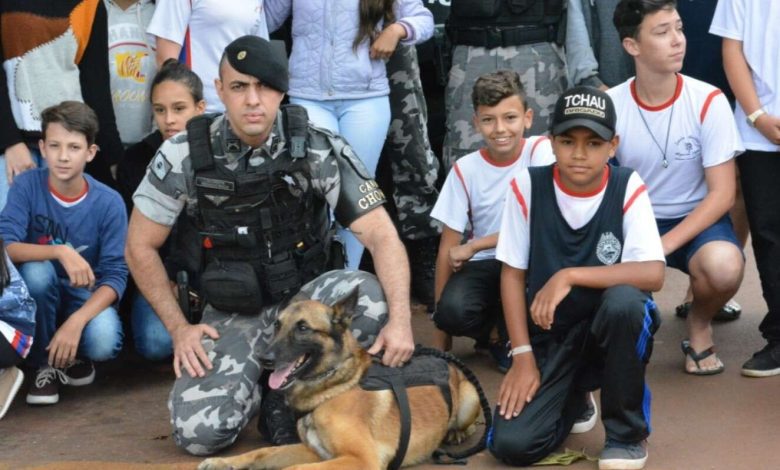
504,23
262,235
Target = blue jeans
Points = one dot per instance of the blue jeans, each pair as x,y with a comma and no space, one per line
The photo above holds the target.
363,123
56,300
150,337
4,186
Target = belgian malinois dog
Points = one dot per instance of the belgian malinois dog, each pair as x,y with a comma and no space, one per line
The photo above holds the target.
319,364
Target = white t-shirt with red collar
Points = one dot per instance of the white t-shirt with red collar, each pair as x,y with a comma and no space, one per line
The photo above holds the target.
475,188
641,241
695,130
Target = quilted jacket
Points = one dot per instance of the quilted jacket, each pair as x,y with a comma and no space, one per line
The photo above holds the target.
323,65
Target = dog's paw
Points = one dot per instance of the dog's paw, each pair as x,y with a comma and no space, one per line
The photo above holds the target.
215,464
457,436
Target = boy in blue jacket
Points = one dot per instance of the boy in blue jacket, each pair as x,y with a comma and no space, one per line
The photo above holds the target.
67,231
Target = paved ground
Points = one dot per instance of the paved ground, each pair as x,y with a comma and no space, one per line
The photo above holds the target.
724,422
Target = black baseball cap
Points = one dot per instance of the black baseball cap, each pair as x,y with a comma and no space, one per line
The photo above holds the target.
263,59
584,106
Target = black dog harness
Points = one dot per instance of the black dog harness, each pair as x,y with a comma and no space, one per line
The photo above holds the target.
429,367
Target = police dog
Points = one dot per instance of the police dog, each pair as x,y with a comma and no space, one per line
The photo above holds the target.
318,364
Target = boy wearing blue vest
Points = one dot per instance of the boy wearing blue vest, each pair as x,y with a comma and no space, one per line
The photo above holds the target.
580,252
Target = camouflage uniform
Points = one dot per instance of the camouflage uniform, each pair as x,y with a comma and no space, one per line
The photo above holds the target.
208,413
542,69
415,168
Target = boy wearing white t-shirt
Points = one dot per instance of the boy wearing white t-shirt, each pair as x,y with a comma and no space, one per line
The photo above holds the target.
751,32
679,134
581,252
469,206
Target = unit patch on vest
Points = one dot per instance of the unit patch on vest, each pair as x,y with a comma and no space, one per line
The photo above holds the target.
608,249
160,166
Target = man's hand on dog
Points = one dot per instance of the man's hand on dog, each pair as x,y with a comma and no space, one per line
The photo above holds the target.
188,350
519,386
397,341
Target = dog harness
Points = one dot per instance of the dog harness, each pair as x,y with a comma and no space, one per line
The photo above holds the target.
423,370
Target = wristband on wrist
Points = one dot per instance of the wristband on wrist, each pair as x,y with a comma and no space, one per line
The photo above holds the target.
526,348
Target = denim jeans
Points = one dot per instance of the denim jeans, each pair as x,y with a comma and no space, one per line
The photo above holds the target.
150,337
56,300
4,186
363,123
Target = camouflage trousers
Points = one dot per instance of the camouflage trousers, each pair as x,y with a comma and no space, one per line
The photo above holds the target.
542,70
415,168
208,413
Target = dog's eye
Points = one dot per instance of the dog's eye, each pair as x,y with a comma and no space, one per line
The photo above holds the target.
277,325
302,326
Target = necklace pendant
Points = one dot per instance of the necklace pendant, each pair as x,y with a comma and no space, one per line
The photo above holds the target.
665,163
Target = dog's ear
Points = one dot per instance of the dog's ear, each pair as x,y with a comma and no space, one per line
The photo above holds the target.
344,308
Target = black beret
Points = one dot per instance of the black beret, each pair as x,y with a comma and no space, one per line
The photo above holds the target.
260,58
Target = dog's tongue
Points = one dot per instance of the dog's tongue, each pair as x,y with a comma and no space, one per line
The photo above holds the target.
279,376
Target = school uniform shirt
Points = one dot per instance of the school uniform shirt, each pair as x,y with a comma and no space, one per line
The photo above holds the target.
474,191
131,59
641,241
94,224
694,130
759,44
203,28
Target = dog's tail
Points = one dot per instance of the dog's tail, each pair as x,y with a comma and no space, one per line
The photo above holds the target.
441,456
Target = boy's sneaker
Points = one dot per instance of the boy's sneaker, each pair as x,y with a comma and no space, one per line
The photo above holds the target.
764,363
79,373
10,381
499,351
45,388
588,419
623,456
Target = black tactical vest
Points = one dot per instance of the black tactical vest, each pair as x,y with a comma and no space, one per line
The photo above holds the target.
504,23
262,233
555,245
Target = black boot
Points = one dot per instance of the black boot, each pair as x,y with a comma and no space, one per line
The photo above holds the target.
422,263
277,421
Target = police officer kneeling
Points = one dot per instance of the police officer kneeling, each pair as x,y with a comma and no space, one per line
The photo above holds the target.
258,186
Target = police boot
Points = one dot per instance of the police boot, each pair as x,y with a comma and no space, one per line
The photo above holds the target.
277,421
422,262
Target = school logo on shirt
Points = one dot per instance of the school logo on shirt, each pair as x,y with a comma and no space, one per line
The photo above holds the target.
608,249
687,148
128,65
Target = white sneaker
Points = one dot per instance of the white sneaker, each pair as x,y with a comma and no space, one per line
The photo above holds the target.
10,381
587,421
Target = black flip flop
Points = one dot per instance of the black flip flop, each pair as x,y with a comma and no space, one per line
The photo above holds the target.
699,356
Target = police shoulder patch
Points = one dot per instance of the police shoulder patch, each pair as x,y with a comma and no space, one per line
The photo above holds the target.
160,165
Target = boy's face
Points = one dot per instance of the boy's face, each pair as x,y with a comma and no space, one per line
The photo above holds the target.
660,42
66,153
502,126
581,156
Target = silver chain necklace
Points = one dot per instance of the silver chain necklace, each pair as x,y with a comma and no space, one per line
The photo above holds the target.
665,162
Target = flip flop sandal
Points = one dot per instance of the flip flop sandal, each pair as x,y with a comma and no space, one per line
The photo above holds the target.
700,356
729,312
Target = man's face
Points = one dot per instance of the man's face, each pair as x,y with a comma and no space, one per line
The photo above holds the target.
250,105
660,43
581,156
502,126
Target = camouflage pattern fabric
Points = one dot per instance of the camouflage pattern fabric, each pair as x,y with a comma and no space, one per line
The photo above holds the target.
542,69
208,413
415,167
